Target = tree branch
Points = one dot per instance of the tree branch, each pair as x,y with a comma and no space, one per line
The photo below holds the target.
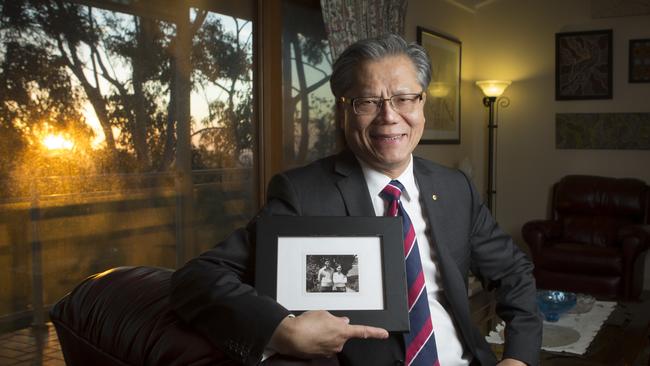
198,21
105,74
93,53
310,89
313,67
205,130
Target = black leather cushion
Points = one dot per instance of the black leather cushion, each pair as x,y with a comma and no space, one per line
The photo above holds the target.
576,258
122,317
600,196
592,209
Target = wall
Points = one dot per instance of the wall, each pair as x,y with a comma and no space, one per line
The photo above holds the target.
515,40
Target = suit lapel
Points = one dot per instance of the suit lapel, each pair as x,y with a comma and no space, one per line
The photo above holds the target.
453,281
451,276
427,185
352,185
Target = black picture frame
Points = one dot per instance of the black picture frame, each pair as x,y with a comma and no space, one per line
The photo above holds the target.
639,61
583,65
306,236
442,107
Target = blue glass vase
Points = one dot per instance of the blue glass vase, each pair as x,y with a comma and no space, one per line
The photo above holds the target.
555,303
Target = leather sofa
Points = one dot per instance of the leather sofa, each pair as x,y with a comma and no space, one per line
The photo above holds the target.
122,317
596,238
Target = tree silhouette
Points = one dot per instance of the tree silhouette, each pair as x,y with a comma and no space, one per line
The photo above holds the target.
306,49
222,60
59,55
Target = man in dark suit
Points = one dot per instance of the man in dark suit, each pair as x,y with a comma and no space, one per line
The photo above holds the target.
379,85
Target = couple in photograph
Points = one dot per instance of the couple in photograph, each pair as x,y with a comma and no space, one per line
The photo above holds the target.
331,280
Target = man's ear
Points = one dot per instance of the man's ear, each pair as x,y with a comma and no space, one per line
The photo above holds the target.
340,116
424,100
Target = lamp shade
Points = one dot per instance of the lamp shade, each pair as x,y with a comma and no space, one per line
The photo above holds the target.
438,89
493,88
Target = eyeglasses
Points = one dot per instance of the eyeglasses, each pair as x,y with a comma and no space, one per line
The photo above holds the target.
403,103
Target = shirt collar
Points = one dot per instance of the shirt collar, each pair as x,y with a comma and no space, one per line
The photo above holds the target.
376,180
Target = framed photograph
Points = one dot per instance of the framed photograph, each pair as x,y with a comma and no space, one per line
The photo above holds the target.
349,266
639,67
442,107
583,65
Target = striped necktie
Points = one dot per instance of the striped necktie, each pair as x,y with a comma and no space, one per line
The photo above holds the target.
420,341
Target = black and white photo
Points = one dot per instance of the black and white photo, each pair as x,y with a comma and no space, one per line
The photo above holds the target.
332,273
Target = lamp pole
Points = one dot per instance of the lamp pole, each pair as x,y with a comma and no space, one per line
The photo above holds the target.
492,89
491,191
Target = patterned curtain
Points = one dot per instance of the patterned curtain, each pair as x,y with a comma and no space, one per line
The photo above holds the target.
347,21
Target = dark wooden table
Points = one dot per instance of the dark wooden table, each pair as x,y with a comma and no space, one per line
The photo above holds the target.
619,341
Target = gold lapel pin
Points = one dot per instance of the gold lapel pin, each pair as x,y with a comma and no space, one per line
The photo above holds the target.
434,197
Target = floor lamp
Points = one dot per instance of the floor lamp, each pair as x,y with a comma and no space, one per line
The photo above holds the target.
492,90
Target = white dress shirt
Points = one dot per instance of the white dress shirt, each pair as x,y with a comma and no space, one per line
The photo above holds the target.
448,343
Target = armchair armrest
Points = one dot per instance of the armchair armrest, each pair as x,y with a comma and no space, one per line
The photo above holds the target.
538,232
634,239
123,317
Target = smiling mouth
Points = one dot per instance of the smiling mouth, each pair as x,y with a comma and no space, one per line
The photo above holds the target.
388,138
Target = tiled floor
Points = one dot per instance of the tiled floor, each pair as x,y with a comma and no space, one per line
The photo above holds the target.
26,347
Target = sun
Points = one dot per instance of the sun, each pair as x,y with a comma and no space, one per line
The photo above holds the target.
57,142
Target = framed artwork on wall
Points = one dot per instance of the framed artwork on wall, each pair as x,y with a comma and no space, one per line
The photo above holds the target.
639,63
583,65
442,107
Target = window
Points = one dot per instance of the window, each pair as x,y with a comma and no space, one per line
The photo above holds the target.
127,138
309,128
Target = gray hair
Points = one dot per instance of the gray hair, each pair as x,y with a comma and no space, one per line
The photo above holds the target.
375,49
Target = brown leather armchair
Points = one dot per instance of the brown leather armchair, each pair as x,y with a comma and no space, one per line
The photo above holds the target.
595,241
122,317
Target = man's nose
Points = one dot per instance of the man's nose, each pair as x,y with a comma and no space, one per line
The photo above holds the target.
386,110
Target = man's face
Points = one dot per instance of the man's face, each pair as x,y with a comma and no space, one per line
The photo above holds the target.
327,263
384,140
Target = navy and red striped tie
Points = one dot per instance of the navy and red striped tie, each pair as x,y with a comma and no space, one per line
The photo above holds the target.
420,341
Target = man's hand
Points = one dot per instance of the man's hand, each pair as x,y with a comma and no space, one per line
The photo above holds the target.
317,334
510,362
